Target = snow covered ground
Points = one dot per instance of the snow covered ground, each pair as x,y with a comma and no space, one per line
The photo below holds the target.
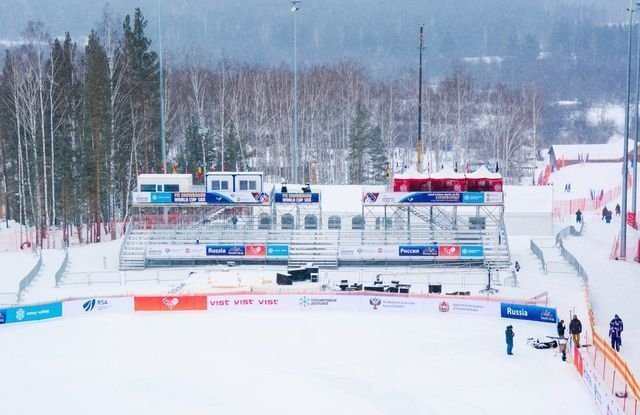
282,363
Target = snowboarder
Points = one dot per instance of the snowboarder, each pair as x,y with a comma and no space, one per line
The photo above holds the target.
509,335
615,332
561,328
618,209
517,266
578,216
604,212
575,328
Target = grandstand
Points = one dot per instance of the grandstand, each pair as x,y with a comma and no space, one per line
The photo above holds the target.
203,225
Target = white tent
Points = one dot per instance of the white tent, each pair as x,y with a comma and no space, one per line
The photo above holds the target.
447,173
483,173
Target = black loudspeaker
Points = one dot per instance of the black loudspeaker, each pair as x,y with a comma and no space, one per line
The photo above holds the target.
314,277
435,288
283,279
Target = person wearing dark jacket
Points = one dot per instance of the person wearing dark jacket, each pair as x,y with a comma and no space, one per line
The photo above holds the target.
578,216
561,328
615,332
509,335
575,328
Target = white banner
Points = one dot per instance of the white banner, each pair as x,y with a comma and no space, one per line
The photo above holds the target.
141,197
381,304
219,303
604,400
176,251
97,305
462,306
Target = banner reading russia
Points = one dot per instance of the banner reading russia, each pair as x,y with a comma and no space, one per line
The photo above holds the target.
528,312
194,302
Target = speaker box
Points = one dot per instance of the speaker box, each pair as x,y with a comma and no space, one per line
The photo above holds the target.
435,288
283,279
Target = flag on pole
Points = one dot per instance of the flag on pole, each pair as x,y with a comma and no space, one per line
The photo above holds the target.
199,172
455,167
497,167
175,169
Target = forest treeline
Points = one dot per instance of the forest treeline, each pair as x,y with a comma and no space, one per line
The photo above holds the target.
78,123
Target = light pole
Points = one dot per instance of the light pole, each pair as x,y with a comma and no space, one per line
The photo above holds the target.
162,138
634,189
625,155
295,6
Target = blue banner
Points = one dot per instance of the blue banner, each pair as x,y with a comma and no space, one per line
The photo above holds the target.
161,197
528,312
3,316
473,198
278,250
297,197
433,197
418,250
225,250
471,251
214,198
34,312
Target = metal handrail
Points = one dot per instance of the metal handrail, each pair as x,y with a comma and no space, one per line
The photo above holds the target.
24,283
63,267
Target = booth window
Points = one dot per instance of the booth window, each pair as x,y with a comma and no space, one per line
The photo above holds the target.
248,185
287,221
357,222
171,188
147,187
219,185
335,222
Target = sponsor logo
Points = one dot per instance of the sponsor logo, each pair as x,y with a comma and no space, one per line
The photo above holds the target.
472,251
20,314
450,251
473,198
261,197
528,312
170,302
278,250
443,307
297,198
213,302
89,305
225,250
371,197
96,305
255,250
314,301
189,197
375,303
3,316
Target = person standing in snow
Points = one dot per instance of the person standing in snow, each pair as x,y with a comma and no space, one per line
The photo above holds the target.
615,332
578,216
575,328
604,212
561,328
618,209
509,335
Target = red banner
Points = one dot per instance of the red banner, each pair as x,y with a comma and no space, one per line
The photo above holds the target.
449,251
255,250
577,360
196,302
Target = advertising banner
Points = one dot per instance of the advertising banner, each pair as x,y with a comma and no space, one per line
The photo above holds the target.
243,302
161,197
462,306
278,250
473,198
237,197
372,253
141,197
471,251
528,312
255,251
190,197
297,198
3,316
449,251
322,302
433,197
97,306
492,198
168,303
225,250
605,401
381,304
34,312
176,251
417,250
